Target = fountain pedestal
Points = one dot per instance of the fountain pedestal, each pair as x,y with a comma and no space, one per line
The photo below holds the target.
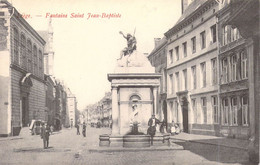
134,99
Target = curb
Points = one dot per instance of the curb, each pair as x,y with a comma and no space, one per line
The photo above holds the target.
12,138
107,149
208,143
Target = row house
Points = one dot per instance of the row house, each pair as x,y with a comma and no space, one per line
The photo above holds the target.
22,92
72,108
106,110
192,72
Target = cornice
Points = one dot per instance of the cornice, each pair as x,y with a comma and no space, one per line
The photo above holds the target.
190,18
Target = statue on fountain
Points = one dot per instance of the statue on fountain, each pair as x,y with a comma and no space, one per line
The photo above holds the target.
130,57
131,45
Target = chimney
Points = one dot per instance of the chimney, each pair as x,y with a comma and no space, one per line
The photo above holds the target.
184,5
156,41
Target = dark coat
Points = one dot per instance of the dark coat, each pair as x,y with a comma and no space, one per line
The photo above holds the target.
152,129
45,133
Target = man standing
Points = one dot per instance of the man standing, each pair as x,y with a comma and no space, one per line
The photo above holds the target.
45,133
152,123
84,129
77,126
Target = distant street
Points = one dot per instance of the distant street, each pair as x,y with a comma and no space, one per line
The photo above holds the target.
68,148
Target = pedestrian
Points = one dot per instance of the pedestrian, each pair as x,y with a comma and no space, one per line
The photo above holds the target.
45,133
152,123
84,129
173,129
77,126
163,127
51,129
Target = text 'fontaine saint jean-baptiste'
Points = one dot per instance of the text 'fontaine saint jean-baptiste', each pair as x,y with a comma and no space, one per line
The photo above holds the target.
74,15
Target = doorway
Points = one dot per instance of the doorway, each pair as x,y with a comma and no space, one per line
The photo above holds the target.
185,115
165,113
25,112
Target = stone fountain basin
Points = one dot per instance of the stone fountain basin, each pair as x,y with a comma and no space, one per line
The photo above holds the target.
133,141
136,141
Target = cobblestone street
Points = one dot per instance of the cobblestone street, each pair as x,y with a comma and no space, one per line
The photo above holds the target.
68,148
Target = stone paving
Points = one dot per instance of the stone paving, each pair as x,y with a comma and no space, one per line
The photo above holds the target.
68,148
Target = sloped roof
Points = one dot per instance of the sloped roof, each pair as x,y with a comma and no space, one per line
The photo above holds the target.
161,43
190,9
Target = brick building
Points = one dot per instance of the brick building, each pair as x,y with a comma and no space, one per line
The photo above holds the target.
22,78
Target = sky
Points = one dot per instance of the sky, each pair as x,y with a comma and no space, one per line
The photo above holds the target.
86,48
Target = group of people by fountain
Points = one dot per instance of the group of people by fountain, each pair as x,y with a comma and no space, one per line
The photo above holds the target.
152,123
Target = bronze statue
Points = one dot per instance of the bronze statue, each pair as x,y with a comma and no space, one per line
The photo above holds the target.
131,45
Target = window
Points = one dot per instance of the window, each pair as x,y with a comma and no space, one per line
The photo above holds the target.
203,74
185,79
203,39
23,52
194,107
215,108
213,34
214,71
193,41
184,45
35,60
194,80
224,35
234,110
177,53
40,63
234,34
177,81
233,75
244,65
204,109
245,111
224,71
171,56
171,84
16,46
29,56
225,112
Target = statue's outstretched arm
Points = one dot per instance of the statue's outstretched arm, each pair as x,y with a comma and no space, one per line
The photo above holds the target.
120,32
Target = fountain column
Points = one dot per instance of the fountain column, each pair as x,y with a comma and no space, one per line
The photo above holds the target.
115,112
155,89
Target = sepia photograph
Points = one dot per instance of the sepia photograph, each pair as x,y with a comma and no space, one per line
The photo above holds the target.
134,82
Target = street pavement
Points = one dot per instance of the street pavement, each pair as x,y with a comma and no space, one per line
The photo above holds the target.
68,148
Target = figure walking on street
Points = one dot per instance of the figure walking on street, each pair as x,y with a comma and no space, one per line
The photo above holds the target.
84,129
77,126
152,123
45,133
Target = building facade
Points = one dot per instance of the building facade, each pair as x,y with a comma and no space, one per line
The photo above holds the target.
23,89
234,85
192,69
158,60
244,15
72,107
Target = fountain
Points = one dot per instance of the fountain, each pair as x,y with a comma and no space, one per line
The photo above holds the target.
134,97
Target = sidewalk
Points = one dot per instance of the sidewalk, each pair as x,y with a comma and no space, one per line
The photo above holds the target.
212,140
